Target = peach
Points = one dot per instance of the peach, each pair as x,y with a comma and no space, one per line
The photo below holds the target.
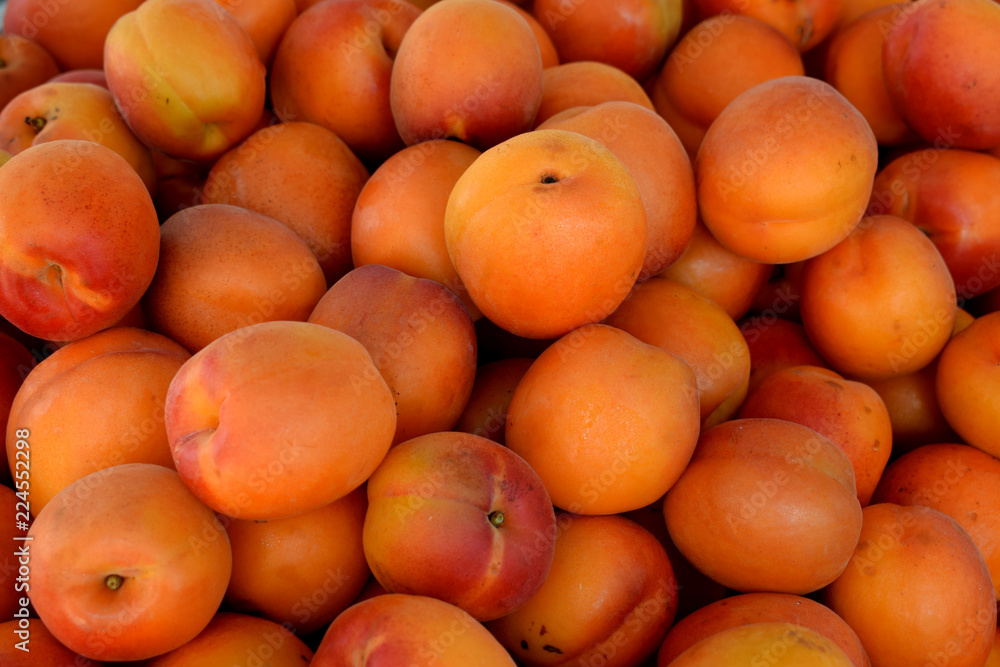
966,382
98,580
398,218
185,76
942,73
780,644
805,23
851,414
238,639
278,418
792,129
300,571
459,499
419,336
609,598
80,239
73,32
917,590
713,63
881,302
775,344
953,197
586,83
469,70
303,176
24,64
485,413
95,403
397,629
224,267
750,608
265,22
528,228
766,505
333,68
41,647
607,421
674,317
53,111
711,269
653,154
634,35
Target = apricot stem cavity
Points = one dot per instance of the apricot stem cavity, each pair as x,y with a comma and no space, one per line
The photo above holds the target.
37,123
548,179
114,581
496,518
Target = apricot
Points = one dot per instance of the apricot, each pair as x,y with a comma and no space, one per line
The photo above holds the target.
419,336
485,413
303,176
611,594
917,590
586,83
98,580
278,418
264,22
546,49
529,226
804,22
711,64
750,608
224,267
653,154
300,571
396,629
42,648
607,421
469,70
784,644
238,639
24,64
881,302
912,402
968,373
766,505
774,344
674,317
80,238
790,130
398,218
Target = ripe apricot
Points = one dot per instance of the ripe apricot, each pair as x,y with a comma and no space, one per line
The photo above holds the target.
586,83
238,639
779,644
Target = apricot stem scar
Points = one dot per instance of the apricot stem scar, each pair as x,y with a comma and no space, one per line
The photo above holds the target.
37,123
496,518
114,581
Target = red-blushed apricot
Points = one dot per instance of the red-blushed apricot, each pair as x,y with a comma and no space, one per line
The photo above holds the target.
41,647
419,336
80,239
469,70
854,67
73,32
653,154
917,590
397,629
398,218
278,418
530,227
224,267
185,76
674,317
546,49
611,594
955,479
303,176
805,22
237,639
942,72
968,374
634,35
324,73
459,499
790,130
766,505
586,83
711,269
713,63
53,111
779,644
881,302
775,344
303,570
98,579
95,403
485,413
607,421
953,197
851,414
265,22
24,64
750,608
